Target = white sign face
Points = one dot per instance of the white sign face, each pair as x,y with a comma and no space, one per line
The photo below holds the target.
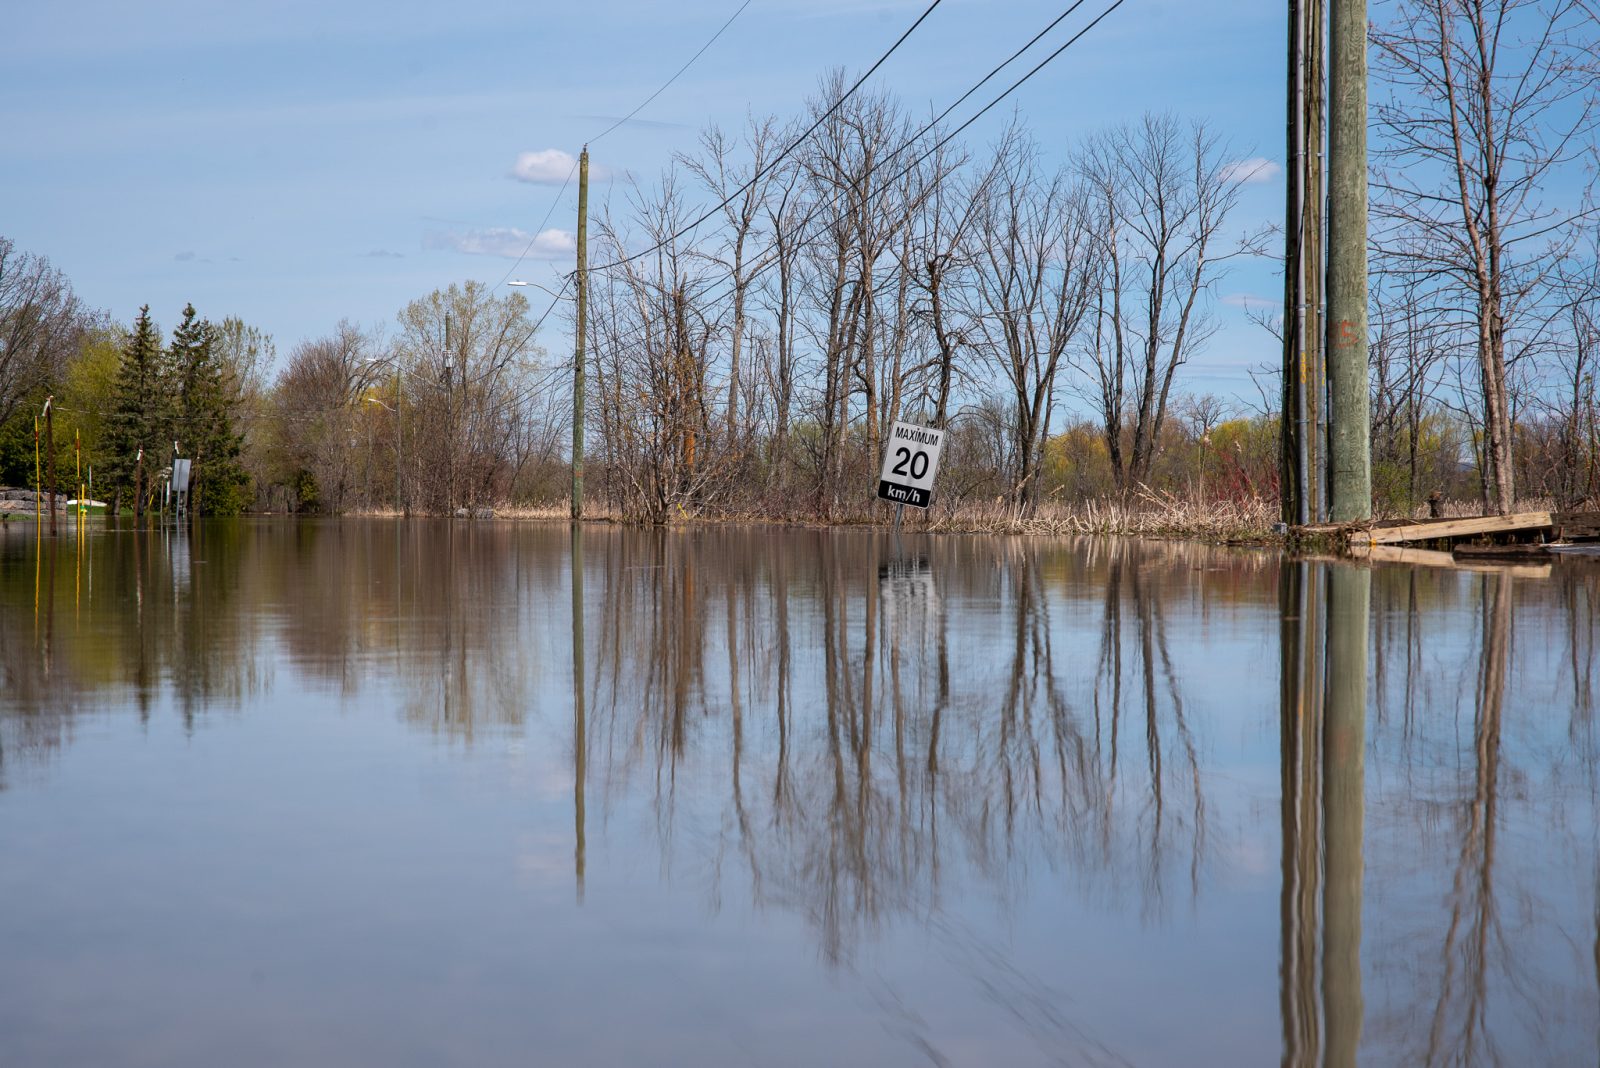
910,460
180,474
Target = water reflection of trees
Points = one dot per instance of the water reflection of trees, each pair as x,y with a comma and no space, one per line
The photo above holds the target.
871,744
856,731
198,620
146,614
1483,835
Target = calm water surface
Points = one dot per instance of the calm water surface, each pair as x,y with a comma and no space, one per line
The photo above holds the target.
370,793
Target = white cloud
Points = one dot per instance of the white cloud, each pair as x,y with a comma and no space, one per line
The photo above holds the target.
1248,301
1250,171
505,241
549,166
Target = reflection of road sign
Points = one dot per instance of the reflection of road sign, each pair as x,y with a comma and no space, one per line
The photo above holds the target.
910,460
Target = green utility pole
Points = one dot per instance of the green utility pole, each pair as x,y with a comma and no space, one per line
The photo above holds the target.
1349,416
577,341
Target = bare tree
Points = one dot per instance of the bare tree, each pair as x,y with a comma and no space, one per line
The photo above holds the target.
744,187
41,324
315,418
1032,284
652,329
1489,103
860,208
1413,337
1163,194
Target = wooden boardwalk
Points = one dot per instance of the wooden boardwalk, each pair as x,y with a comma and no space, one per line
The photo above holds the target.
1492,542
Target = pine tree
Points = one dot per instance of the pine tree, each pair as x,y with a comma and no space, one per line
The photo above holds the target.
203,425
138,416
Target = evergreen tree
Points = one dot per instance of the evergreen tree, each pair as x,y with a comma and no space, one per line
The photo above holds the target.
204,397
139,414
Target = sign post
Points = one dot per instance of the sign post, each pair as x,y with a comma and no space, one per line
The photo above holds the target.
910,460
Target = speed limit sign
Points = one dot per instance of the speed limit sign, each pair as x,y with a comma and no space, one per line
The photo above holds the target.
910,460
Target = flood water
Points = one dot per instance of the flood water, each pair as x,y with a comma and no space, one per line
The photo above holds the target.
420,793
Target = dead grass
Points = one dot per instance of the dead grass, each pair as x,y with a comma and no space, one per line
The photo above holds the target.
1150,515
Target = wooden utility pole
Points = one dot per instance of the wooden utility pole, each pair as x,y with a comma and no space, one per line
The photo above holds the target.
582,279
50,454
1301,465
1349,405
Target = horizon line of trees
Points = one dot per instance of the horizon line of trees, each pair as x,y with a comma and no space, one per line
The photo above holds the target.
884,270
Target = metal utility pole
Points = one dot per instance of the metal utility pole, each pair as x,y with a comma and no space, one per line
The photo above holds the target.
1349,424
582,278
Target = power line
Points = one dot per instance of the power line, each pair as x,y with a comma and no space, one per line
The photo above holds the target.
909,142
557,300
609,129
760,172
913,140
674,78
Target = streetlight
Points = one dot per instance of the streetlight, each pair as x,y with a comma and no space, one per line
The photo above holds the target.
536,285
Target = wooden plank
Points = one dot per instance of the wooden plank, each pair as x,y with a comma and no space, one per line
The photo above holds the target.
1453,528
1487,567
1394,554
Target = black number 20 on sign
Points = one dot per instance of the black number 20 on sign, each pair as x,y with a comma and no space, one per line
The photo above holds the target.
918,461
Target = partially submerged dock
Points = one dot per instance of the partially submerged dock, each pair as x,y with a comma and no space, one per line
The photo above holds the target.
1488,541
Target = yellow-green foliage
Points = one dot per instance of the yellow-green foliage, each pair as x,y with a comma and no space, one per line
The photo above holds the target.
1077,464
85,394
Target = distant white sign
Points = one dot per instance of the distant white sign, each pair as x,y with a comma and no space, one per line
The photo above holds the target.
910,460
180,475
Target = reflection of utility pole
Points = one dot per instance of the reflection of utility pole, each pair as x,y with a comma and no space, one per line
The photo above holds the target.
580,737
1324,632
1300,742
582,279
1344,808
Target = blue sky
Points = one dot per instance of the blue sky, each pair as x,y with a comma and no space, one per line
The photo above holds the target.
298,162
